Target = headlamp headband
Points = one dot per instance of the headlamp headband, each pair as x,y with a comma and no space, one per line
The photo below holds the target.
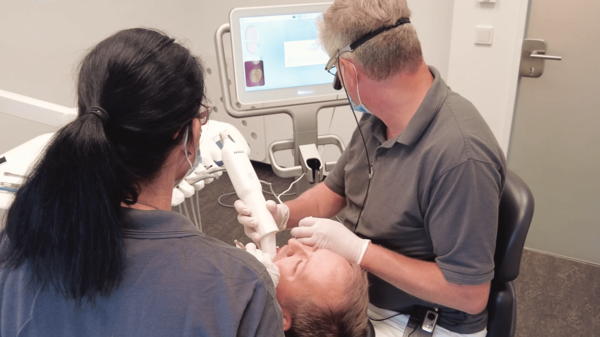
359,42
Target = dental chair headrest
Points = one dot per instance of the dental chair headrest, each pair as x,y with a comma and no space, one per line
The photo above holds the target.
370,330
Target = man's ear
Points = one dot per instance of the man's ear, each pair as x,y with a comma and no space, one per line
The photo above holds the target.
349,71
287,319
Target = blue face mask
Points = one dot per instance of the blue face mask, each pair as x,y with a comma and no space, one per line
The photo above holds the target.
359,107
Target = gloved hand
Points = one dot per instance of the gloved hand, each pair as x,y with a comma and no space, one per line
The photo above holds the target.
265,259
280,212
332,235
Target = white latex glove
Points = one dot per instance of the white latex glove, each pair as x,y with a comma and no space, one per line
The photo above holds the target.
332,235
265,259
280,212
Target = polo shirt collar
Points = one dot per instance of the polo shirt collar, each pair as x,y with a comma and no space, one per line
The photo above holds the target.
157,224
432,103
417,125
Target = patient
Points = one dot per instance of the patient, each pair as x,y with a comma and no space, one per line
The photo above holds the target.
320,293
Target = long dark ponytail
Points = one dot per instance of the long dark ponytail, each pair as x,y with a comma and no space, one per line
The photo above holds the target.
64,222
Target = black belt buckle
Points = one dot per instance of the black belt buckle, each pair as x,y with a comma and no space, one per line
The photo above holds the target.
421,322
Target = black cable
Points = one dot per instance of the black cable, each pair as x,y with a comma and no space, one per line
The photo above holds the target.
414,329
383,319
365,145
398,314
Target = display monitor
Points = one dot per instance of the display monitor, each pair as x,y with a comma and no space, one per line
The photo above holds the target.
278,59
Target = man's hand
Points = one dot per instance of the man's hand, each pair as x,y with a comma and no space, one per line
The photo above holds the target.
265,259
332,235
280,212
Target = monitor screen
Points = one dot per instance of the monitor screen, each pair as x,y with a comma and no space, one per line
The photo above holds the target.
277,55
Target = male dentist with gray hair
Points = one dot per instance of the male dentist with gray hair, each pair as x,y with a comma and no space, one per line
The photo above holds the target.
420,180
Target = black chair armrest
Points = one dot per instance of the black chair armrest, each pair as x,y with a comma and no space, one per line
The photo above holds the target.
502,310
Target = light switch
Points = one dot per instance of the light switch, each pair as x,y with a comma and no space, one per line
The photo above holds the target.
484,34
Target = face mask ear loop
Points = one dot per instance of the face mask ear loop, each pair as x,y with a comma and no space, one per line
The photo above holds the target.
357,90
185,151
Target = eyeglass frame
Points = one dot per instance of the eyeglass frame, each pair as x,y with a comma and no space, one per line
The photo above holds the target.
204,115
350,48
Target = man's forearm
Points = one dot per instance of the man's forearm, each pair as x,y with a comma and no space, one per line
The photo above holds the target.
424,280
319,201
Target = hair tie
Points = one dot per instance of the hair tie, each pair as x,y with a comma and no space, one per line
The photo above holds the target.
100,113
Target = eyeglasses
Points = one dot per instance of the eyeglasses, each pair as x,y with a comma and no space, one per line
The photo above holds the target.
204,112
330,67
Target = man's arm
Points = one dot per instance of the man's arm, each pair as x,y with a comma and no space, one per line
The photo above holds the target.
424,280
320,201
461,220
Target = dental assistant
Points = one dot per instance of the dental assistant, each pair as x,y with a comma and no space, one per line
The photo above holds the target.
421,192
91,247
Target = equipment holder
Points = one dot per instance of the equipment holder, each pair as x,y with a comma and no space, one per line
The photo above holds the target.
304,120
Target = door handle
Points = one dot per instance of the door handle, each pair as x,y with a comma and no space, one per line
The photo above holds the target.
536,54
533,56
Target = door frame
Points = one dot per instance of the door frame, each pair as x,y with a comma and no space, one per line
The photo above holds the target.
523,25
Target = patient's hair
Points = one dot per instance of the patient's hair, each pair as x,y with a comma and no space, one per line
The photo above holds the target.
346,319
397,50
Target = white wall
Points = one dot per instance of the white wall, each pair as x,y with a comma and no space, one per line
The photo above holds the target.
22,118
42,43
488,75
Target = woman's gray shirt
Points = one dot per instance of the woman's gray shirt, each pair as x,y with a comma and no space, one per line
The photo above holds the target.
177,282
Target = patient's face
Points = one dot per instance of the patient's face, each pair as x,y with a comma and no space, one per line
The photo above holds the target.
307,271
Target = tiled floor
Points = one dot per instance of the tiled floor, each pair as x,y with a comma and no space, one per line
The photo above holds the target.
555,297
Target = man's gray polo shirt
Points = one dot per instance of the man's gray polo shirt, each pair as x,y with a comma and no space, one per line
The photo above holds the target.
177,282
434,196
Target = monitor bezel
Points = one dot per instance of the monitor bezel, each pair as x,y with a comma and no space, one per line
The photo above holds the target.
273,97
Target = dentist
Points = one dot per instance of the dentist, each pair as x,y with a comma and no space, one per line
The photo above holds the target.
420,180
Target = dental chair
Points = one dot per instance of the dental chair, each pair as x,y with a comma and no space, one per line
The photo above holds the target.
516,212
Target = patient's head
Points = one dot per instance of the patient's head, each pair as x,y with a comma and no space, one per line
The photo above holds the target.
320,293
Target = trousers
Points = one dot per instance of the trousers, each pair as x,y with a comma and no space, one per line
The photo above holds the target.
395,326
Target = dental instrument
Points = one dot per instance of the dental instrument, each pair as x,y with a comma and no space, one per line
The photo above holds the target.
199,223
178,198
239,244
7,189
8,174
10,185
249,189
